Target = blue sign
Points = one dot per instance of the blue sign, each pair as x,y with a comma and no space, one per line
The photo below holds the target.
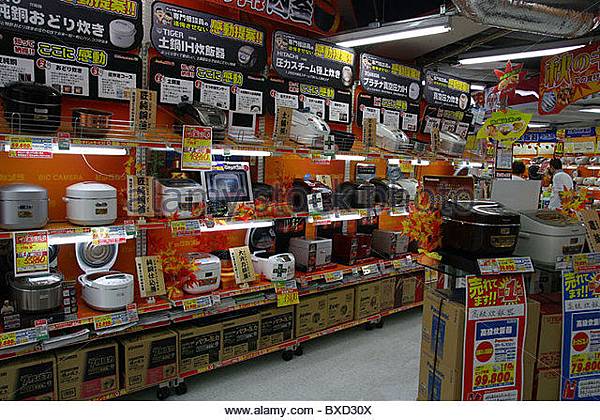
580,132
580,362
547,136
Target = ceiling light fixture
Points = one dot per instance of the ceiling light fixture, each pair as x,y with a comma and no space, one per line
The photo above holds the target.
504,54
538,125
412,28
477,87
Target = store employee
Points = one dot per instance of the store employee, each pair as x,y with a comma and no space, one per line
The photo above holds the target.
560,182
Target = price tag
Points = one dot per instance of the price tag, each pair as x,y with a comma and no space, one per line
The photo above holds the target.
30,251
26,336
150,276
509,265
30,147
402,264
108,235
370,270
116,319
185,227
287,292
195,304
363,212
196,144
8,340
579,262
334,276
315,202
355,272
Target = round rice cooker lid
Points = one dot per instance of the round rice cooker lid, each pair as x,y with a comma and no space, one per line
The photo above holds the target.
260,239
96,258
122,27
109,279
179,186
23,192
37,281
550,222
91,190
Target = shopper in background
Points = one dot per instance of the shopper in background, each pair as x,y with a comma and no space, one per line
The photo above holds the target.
561,181
518,170
534,173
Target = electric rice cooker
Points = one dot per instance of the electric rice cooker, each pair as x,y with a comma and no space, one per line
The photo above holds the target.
102,288
122,33
308,129
260,239
37,292
392,140
350,248
409,185
23,206
481,228
207,274
202,114
354,195
343,140
548,234
310,254
310,195
274,266
91,203
181,197
32,107
451,144
389,244
388,193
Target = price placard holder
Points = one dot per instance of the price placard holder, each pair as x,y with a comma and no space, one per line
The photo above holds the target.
286,292
505,265
334,276
198,303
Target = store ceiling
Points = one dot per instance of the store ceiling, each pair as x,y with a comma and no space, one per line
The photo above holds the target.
442,51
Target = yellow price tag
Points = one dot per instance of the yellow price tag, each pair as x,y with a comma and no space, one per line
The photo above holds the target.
8,339
506,265
190,305
289,297
103,321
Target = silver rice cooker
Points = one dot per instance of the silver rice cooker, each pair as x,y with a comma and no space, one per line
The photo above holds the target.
451,144
389,244
203,114
311,254
207,273
23,206
37,292
548,234
274,266
102,288
308,129
91,203
392,140
179,196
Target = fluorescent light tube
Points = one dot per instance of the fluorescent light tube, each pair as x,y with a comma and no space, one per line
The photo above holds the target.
593,168
236,226
394,161
468,164
350,158
591,110
394,36
517,55
477,87
538,125
419,162
84,150
233,152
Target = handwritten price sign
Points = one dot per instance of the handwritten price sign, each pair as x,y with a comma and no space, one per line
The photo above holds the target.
287,293
196,145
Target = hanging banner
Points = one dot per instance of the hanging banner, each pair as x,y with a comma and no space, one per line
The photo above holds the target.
397,114
190,35
312,61
505,126
382,76
332,105
196,145
508,80
541,136
446,91
580,359
84,72
317,15
31,255
568,77
494,338
178,82
108,24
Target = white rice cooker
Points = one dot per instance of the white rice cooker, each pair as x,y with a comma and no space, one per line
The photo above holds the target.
122,33
181,196
91,203
23,206
207,275
392,140
548,234
102,288
274,266
308,129
410,185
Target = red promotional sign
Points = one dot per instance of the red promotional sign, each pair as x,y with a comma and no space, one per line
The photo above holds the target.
494,338
565,78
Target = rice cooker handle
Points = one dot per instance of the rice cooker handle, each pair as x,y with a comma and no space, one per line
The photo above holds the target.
524,235
85,282
66,199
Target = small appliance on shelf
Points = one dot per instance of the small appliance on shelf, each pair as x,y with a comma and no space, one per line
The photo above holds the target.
182,197
388,193
23,206
102,288
311,254
310,195
91,203
37,293
389,244
350,248
207,274
272,265
392,140
354,195
308,129
226,184
203,114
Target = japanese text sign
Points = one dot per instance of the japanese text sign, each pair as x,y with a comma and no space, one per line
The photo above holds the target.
196,145
150,276
31,255
243,268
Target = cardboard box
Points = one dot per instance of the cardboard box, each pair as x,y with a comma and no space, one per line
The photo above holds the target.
89,372
199,346
443,329
439,383
311,315
368,300
419,288
550,337
398,291
340,307
547,385
529,356
148,359
409,285
240,336
28,378
276,326
388,289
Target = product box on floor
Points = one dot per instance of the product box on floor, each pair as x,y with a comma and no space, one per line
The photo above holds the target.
88,372
276,326
547,385
340,307
438,382
311,315
368,299
529,356
149,358
388,289
29,378
199,346
240,336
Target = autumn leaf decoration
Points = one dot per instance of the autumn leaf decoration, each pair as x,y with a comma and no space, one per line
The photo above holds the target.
423,224
177,269
572,201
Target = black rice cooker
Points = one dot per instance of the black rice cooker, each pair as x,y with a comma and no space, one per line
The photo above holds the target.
479,228
352,195
32,107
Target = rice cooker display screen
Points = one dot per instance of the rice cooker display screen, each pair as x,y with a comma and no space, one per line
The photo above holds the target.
240,119
229,186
